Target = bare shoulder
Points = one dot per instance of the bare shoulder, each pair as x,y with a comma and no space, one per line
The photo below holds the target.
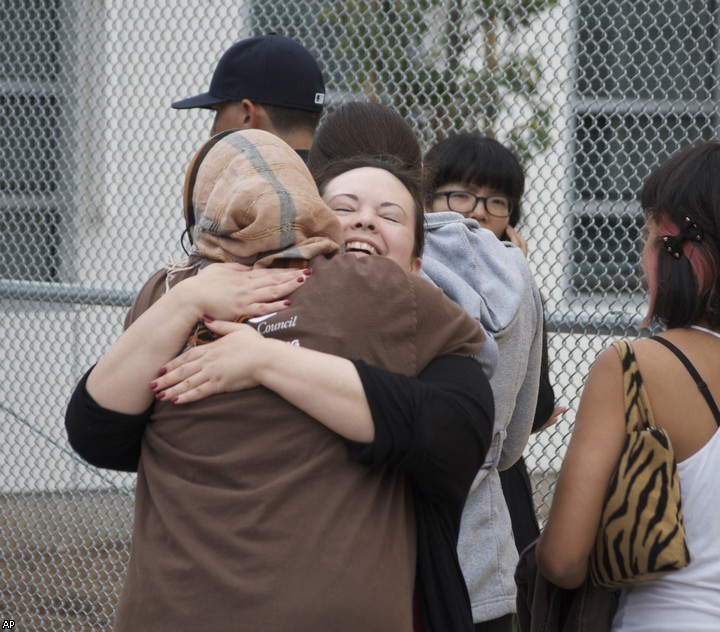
607,365
602,397
677,404
659,364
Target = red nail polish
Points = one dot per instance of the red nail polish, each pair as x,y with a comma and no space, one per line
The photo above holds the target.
301,279
160,396
208,319
162,372
174,399
153,386
307,271
287,303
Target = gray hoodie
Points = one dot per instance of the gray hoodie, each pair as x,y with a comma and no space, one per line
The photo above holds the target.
491,280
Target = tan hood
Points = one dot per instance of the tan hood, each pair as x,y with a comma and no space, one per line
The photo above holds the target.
255,202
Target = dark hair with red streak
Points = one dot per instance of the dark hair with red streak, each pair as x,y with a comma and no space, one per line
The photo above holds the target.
687,288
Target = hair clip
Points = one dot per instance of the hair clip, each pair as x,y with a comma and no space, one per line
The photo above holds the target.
674,243
692,230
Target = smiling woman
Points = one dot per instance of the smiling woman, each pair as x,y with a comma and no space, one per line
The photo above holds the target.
377,213
378,202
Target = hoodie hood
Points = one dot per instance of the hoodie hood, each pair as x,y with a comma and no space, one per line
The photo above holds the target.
255,202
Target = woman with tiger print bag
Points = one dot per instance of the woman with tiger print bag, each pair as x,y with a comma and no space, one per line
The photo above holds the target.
620,518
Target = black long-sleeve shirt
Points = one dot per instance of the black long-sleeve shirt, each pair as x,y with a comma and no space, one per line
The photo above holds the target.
447,415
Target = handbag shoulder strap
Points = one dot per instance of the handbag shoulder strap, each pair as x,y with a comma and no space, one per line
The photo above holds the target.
638,413
704,390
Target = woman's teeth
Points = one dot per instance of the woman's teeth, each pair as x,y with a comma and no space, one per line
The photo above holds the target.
360,246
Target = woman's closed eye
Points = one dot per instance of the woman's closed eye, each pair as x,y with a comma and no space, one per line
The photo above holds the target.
392,213
395,218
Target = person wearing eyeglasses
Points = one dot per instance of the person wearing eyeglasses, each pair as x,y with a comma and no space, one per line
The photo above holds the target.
479,179
490,210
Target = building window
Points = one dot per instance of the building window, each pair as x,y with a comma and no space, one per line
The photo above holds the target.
32,165
645,86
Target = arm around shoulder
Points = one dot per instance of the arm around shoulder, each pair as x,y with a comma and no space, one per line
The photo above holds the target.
158,324
437,427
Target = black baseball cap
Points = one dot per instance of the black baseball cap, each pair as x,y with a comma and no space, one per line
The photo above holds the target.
270,70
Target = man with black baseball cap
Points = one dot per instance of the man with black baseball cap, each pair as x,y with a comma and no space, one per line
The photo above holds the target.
270,82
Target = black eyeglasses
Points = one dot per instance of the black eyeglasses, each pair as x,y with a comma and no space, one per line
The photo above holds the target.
464,202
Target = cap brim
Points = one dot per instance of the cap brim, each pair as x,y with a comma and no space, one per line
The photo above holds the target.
204,100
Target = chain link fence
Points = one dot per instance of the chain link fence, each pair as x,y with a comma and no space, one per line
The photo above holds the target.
590,93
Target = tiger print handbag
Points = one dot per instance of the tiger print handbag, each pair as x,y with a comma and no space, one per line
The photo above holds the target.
641,534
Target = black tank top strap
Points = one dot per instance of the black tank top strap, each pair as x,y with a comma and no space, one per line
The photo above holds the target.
695,375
